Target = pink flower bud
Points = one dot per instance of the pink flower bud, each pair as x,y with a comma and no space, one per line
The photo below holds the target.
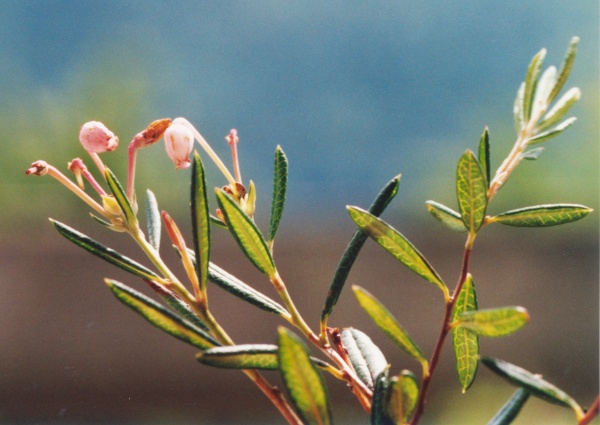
179,141
96,138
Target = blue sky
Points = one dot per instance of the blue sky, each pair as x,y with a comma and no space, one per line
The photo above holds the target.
355,92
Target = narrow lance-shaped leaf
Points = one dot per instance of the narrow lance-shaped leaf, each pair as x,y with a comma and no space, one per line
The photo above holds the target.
553,132
493,322
385,196
161,317
388,323
560,109
379,414
531,82
542,92
121,198
465,343
402,396
446,215
532,383
366,358
542,215
303,380
249,356
153,222
471,190
518,109
250,206
236,287
102,221
247,235
217,222
107,254
397,245
200,220
246,356
177,304
484,155
532,154
565,69
280,180
511,408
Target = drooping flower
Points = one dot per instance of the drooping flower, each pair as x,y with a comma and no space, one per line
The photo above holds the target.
179,141
97,138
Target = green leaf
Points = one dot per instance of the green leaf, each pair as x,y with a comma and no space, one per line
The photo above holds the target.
553,132
542,92
518,109
153,221
471,190
484,155
560,109
217,222
532,383
161,317
246,356
397,245
366,358
303,380
102,221
531,82
246,234
542,215
494,322
402,396
249,356
379,414
104,252
511,409
565,68
243,291
250,206
387,323
280,180
532,154
446,215
200,220
121,198
236,287
385,196
465,343
177,304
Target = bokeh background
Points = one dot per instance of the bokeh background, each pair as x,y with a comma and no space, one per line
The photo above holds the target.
355,92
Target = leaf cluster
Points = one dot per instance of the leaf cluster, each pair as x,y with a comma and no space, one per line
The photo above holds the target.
351,356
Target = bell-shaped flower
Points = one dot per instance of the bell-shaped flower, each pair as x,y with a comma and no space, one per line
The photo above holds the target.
97,138
179,141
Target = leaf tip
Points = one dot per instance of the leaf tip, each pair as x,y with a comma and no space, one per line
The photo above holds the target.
357,288
523,311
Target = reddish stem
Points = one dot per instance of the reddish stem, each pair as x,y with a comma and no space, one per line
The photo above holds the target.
435,357
131,157
592,412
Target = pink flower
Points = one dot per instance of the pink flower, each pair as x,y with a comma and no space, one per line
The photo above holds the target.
179,141
96,138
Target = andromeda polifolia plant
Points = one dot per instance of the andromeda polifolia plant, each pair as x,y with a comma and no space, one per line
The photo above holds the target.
305,356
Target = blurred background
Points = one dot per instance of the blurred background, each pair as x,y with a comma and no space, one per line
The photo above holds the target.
355,93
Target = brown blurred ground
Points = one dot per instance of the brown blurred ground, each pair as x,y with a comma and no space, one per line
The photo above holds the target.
72,354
